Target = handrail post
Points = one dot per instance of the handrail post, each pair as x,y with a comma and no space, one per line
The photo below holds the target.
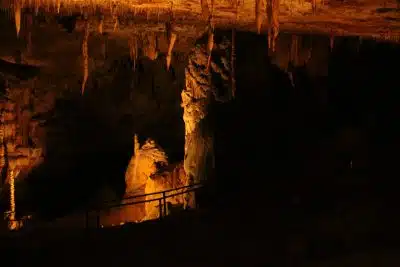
160,208
165,203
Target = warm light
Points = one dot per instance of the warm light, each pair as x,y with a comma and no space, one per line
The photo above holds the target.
17,16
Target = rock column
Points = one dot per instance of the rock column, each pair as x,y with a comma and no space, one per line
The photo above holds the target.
199,93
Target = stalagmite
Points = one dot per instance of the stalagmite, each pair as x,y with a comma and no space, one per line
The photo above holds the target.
198,94
116,23
17,16
13,224
2,147
259,16
85,56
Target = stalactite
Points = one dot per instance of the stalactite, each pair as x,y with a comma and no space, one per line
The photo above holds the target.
85,56
233,51
133,50
114,15
332,41
294,50
150,46
210,44
58,6
259,16
100,25
17,16
37,3
314,6
205,10
273,22
171,37
233,62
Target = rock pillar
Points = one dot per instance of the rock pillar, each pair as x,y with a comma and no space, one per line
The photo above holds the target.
199,93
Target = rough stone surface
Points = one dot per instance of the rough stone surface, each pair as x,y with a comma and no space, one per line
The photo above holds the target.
200,91
169,179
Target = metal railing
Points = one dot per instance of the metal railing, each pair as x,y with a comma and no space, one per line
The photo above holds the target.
160,197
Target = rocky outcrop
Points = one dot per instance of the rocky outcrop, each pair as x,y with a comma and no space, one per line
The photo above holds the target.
199,93
146,161
172,177
149,172
16,149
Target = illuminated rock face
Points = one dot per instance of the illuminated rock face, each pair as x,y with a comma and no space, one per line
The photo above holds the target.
143,164
171,178
15,131
15,153
200,91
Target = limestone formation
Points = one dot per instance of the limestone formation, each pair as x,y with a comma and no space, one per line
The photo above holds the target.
171,37
273,22
259,15
199,92
171,178
15,151
143,164
17,16
150,47
85,57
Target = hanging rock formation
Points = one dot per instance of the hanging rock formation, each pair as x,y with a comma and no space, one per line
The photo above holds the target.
17,16
273,22
200,91
171,38
259,15
85,56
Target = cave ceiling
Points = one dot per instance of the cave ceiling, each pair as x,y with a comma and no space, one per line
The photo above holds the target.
59,54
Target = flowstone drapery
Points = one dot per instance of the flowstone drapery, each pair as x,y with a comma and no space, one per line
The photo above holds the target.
199,93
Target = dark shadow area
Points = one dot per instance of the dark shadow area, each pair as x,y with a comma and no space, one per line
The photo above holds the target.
284,155
386,9
20,71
